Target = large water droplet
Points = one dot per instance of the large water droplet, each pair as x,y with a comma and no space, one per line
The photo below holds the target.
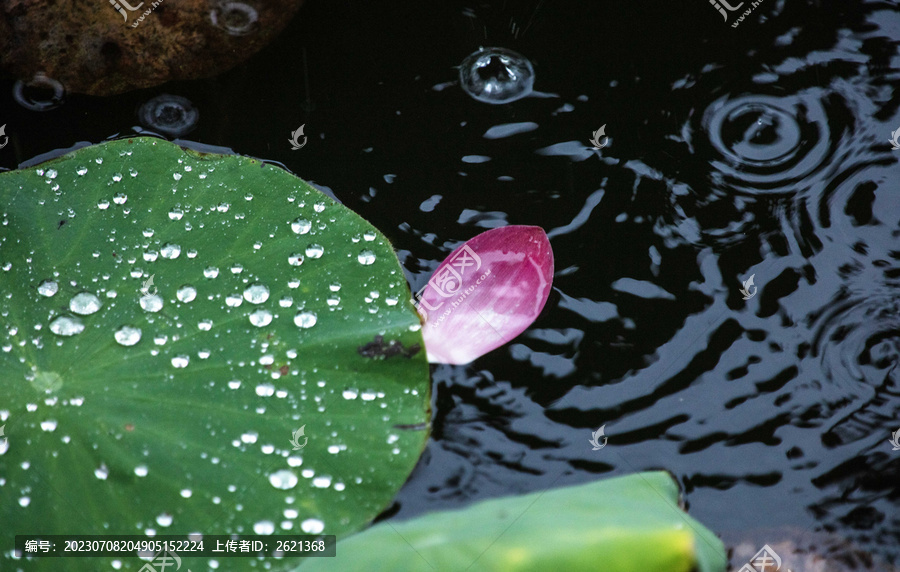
496,75
151,303
315,251
295,259
170,251
164,519
264,527
211,272
84,303
283,479
312,526
305,319
48,288
186,293
261,318
128,335
234,300
66,326
366,257
256,293
301,226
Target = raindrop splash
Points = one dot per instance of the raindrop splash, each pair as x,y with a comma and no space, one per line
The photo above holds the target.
171,115
496,75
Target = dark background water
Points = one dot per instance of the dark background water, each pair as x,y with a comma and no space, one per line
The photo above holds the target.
758,150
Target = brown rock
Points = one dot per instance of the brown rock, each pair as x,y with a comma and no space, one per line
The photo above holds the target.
90,47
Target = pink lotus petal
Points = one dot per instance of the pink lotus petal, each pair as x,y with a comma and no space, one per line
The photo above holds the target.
486,293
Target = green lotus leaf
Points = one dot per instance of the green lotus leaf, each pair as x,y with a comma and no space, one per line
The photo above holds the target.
193,342
625,524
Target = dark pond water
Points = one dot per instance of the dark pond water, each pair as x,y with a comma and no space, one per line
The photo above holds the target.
760,150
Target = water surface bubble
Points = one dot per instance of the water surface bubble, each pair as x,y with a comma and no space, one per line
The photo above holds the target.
235,18
171,115
66,326
40,93
128,335
84,303
496,75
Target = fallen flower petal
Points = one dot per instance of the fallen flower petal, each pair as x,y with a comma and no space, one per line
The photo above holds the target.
487,292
